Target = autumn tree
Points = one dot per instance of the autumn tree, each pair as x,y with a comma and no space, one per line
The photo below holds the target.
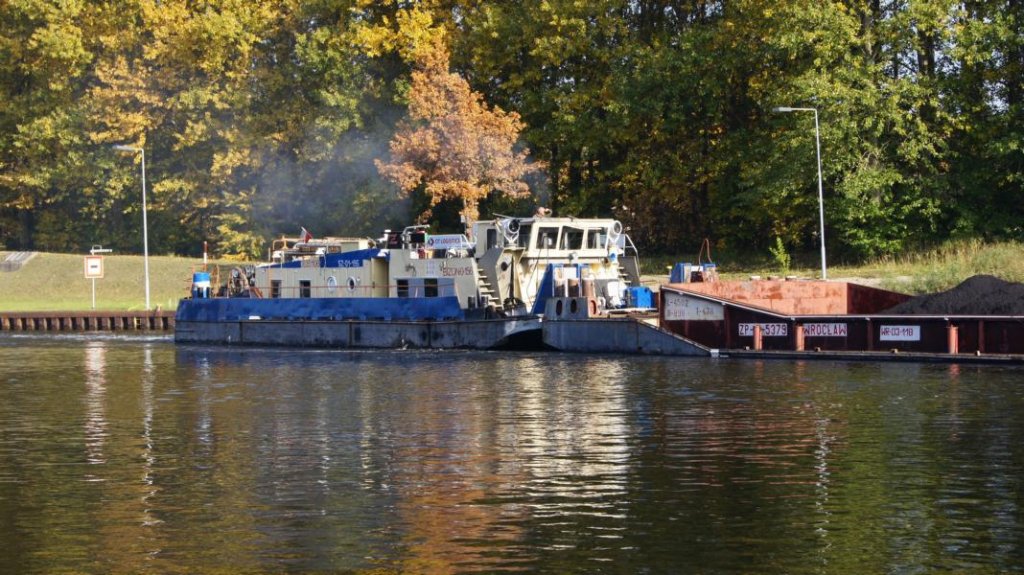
452,146
45,52
260,116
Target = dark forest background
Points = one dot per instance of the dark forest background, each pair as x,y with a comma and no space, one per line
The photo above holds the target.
259,117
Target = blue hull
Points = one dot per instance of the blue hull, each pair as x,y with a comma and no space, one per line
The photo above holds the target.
426,323
318,309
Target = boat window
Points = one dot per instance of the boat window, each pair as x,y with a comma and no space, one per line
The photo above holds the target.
429,287
524,235
403,288
305,288
547,238
492,238
572,239
275,288
596,239
446,287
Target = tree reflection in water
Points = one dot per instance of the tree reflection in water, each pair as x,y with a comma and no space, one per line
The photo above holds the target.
135,456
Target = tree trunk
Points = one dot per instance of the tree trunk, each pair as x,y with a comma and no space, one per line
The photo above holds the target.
27,229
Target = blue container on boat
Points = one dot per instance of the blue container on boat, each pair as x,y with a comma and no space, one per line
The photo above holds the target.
200,285
639,297
680,273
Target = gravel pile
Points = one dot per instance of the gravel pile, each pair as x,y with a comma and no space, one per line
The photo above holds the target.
978,295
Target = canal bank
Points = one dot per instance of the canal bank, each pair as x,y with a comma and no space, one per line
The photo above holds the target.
72,321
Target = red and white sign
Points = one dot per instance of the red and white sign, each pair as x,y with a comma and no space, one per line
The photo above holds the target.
825,330
767,329
899,333
93,267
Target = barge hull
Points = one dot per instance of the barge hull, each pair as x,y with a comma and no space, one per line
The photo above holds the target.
362,334
617,335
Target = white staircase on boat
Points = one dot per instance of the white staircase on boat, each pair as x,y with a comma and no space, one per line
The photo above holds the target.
485,289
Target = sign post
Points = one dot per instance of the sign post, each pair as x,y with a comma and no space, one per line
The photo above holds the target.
94,268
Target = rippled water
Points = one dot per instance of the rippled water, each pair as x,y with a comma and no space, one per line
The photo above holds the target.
136,456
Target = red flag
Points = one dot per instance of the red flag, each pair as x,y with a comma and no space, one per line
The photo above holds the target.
306,236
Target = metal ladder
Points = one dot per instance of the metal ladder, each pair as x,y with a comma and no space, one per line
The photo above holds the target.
485,289
624,274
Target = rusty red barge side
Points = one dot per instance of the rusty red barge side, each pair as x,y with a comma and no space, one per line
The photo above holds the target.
804,316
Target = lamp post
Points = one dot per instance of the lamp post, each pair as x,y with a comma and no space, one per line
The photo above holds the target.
145,229
821,195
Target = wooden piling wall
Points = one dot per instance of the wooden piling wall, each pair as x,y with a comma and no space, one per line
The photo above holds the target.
68,321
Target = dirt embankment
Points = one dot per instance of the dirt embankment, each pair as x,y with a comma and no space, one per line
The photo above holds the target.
978,295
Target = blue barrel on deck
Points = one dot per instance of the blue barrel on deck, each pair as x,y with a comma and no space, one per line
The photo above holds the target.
200,285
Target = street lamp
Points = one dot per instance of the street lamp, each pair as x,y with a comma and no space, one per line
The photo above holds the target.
145,229
821,195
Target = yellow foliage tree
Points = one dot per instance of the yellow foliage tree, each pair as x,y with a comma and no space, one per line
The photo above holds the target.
452,145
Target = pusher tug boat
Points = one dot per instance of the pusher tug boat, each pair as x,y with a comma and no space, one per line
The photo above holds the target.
414,289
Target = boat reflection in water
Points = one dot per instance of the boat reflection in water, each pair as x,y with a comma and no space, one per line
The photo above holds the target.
541,452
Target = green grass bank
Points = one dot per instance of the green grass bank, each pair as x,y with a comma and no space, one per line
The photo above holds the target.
927,271
56,282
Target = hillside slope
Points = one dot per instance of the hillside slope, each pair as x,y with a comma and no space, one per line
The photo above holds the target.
57,282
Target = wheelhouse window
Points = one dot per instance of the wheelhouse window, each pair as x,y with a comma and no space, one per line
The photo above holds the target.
403,287
275,288
305,288
596,239
572,239
547,238
524,236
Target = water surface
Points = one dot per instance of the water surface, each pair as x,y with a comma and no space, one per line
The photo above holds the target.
122,455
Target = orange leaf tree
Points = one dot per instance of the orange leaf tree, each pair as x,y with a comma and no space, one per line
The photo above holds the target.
452,146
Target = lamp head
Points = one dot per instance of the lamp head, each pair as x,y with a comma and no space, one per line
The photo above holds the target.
782,109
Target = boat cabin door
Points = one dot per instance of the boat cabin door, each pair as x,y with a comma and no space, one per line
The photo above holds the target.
379,279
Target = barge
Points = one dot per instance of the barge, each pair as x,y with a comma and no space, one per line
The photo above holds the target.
828,319
979,321
413,289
